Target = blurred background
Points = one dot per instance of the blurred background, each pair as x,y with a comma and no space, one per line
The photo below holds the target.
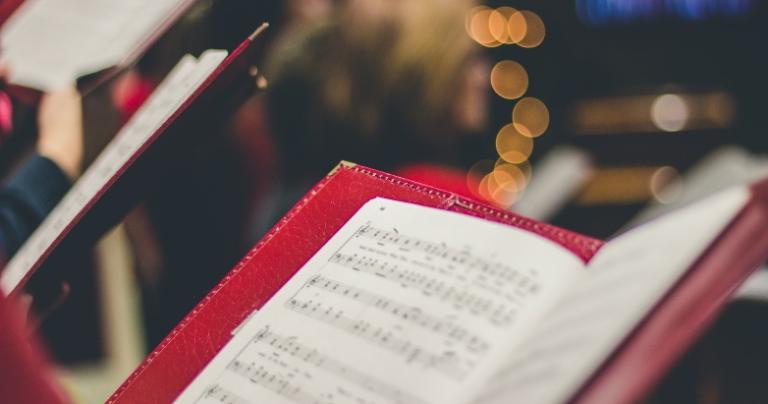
593,115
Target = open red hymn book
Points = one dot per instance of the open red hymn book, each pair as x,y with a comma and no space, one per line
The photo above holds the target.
375,289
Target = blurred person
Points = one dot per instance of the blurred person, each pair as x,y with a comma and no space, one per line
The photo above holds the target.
190,231
390,84
43,179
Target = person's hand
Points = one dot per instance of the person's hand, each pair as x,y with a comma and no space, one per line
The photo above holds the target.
60,126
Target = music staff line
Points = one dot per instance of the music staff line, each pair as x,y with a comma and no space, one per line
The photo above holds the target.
411,314
273,382
499,314
446,363
312,356
495,270
219,394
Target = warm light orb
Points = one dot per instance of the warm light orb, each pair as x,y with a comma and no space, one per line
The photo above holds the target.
498,24
530,117
517,27
535,30
501,195
509,79
513,146
510,177
506,183
484,188
525,167
477,174
479,26
670,112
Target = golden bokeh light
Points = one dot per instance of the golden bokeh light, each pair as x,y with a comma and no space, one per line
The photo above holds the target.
506,183
483,189
510,177
476,175
530,117
498,25
535,31
525,167
517,27
479,26
513,146
509,79
500,183
502,194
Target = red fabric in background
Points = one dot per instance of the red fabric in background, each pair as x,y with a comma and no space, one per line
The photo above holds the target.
25,376
130,92
6,116
438,176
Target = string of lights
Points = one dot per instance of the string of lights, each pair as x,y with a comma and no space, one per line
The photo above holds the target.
502,181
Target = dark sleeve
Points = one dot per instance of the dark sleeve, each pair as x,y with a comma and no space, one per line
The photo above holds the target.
26,199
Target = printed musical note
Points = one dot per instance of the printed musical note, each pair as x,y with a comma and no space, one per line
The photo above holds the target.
460,262
469,263
314,357
260,375
221,395
462,299
413,315
446,363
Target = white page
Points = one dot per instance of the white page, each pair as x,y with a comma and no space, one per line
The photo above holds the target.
723,168
560,174
405,304
625,280
48,44
181,82
755,287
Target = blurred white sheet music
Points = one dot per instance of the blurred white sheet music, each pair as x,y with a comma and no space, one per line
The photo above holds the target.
50,43
725,167
558,177
183,80
398,307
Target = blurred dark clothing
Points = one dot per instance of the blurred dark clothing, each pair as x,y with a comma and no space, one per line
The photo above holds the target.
26,199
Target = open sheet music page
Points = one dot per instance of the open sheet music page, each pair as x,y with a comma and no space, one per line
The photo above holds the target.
625,281
181,82
405,304
48,44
